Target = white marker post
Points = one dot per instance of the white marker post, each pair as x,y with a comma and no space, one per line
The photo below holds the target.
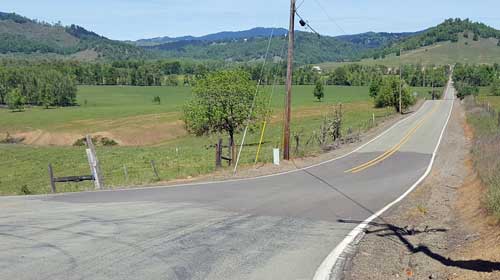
94,164
276,156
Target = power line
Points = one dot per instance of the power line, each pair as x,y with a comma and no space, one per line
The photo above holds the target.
330,18
253,102
306,24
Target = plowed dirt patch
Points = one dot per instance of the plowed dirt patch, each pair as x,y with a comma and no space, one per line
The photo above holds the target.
131,131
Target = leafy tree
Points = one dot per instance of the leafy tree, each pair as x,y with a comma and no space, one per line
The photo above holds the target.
319,90
375,86
47,98
388,94
464,89
172,80
495,87
222,103
3,86
15,100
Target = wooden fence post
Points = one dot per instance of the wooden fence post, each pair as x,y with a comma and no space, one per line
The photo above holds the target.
232,151
94,164
218,154
155,171
52,182
125,172
499,119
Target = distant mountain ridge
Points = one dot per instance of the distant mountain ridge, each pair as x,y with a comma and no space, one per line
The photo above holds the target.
20,35
27,38
220,36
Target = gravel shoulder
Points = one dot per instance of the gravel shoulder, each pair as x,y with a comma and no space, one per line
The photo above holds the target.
440,231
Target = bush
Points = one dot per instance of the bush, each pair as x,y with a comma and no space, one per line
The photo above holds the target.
25,190
97,140
11,140
157,100
15,100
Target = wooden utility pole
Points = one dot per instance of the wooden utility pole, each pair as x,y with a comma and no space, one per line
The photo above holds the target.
289,74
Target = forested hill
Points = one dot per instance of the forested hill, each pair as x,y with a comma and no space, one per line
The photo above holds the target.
220,36
22,36
449,30
310,48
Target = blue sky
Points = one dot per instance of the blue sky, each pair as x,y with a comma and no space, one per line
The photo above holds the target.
135,19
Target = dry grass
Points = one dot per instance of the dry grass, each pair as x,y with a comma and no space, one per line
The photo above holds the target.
486,151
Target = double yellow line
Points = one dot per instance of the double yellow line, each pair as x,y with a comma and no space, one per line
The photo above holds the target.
394,149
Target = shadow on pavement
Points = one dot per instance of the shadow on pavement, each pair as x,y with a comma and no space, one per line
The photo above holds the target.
401,233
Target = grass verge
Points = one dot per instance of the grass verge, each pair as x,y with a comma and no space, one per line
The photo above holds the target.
485,123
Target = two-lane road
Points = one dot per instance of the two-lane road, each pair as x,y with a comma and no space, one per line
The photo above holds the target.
275,227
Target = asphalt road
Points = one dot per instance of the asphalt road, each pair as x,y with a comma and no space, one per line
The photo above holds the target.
279,227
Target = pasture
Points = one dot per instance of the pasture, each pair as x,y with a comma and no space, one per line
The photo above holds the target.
484,51
146,131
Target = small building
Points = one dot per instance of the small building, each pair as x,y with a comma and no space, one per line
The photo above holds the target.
317,69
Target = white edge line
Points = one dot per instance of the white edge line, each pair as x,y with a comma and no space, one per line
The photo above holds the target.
234,180
324,271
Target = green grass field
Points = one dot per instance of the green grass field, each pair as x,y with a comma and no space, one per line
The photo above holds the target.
486,97
484,51
176,157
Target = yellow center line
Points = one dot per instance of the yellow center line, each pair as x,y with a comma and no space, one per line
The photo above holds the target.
395,148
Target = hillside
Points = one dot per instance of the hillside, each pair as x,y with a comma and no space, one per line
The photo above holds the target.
454,40
466,50
310,48
442,44
374,39
23,36
451,30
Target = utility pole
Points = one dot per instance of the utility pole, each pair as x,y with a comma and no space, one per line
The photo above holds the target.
289,73
400,82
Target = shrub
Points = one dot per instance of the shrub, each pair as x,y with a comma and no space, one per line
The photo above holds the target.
97,140
15,100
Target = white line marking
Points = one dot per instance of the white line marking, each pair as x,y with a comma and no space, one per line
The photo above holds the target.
325,269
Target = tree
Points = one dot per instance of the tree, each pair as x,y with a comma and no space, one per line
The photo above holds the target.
495,87
47,96
3,86
464,89
388,94
172,80
15,100
319,90
222,103
375,86
157,100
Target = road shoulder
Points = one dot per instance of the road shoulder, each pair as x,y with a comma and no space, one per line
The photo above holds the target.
430,235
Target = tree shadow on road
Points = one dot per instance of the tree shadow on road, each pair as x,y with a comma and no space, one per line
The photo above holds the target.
386,230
